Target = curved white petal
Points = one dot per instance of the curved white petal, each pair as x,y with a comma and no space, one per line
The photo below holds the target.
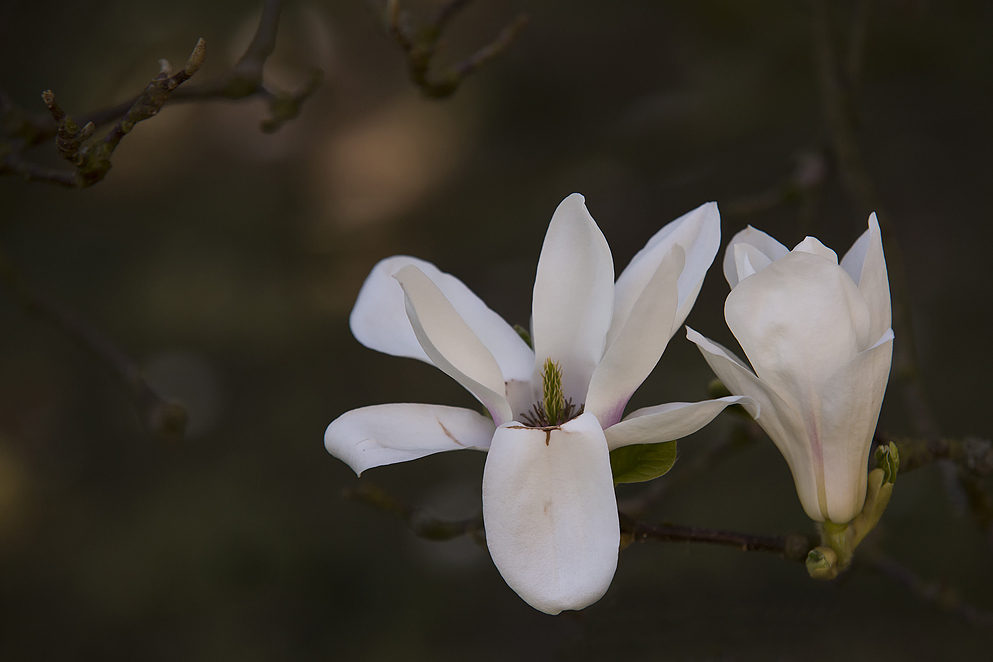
550,513
673,420
814,246
379,319
632,356
854,259
850,408
386,434
798,320
866,264
450,343
749,260
780,419
760,240
520,396
699,233
573,297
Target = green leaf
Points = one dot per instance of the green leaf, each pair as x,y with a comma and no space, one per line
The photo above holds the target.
888,459
524,334
641,462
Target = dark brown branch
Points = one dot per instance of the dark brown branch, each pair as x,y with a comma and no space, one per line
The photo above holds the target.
157,413
421,45
972,455
93,162
13,164
937,594
21,130
793,546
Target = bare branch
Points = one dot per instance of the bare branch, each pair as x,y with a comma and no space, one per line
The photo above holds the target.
421,45
285,107
157,413
92,162
938,594
970,454
793,546
13,164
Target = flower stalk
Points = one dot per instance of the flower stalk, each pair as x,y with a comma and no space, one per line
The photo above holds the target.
838,541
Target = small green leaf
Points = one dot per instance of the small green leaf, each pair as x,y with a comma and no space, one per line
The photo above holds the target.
524,334
888,459
641,462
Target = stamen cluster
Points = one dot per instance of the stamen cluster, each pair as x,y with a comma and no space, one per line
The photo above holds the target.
555,409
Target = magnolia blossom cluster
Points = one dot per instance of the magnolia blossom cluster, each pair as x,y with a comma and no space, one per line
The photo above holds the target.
816,332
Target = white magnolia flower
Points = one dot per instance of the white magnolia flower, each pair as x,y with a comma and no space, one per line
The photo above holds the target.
555,412
819,339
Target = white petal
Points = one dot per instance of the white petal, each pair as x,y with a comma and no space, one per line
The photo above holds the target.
450,343
573,297
813,246
632,356
674,420
850,408
778,416
855,257
798,320
749,260
699,233
866,264
550,513
386,434
379,319
760,240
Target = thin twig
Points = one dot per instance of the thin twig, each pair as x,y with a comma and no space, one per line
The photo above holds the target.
421,45
794,546
93,162
245,79
938,594
971,454
157,413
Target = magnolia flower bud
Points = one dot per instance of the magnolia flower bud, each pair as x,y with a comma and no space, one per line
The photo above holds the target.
818,336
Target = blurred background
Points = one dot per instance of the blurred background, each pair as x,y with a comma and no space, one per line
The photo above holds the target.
225,261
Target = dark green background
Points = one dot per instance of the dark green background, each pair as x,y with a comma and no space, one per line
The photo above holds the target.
226,261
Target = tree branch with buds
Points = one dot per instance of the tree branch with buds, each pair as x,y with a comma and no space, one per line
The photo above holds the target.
420,45
20,130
